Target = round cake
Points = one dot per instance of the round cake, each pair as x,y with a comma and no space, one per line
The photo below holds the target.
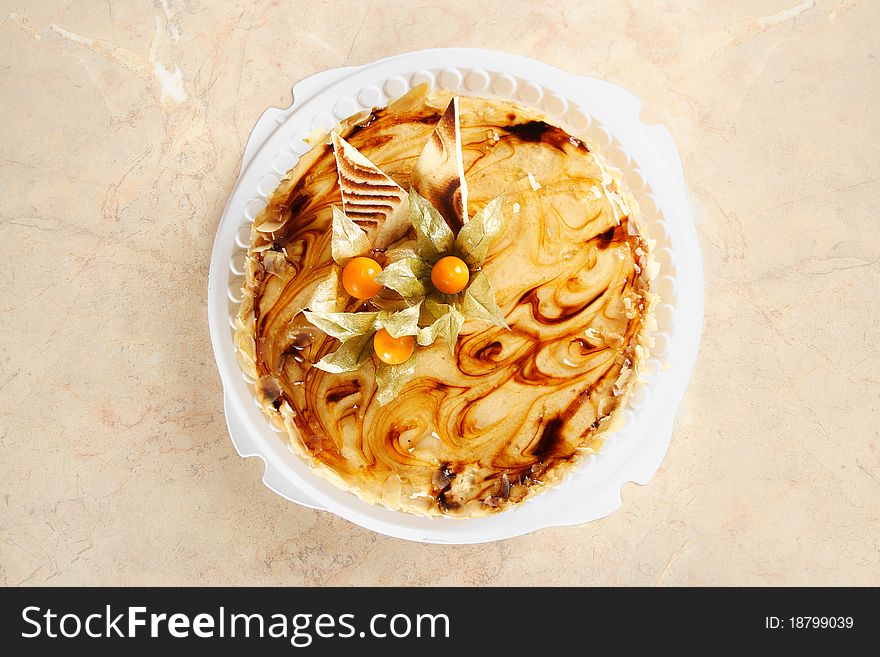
446,305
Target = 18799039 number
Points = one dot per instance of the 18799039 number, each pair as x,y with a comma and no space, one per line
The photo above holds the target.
820,622
809,622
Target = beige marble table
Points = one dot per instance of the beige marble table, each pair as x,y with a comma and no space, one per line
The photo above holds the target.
123,125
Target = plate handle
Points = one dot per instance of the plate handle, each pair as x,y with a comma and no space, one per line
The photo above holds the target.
275,116
640,468
273,478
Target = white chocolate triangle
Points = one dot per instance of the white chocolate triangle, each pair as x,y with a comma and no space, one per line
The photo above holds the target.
439,172
369,197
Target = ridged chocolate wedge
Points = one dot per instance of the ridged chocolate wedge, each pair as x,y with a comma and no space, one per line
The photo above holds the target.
369,197
439,172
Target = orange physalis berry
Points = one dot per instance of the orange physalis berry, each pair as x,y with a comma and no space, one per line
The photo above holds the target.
450,275
359,277
391,350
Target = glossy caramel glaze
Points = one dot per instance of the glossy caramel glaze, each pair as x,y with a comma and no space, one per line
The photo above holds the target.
511,409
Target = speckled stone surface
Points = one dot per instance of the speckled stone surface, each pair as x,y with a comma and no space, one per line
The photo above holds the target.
123,131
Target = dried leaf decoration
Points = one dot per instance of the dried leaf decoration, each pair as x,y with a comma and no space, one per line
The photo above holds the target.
349,356
355,331
342,326
403,322
390,379
476,236
389,300
348,239
434,236
421,311
447,323
409,277
328,297
479,301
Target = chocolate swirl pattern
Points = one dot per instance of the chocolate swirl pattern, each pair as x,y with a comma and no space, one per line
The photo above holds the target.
511,410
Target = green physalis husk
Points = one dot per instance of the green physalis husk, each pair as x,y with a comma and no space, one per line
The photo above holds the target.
447,322
412,278
329,296
478,301
348,239
433,235
342,326
349,356
401,322
421,311
390,379
476,236
355,332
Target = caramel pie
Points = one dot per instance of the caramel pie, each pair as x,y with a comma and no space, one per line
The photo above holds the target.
505,388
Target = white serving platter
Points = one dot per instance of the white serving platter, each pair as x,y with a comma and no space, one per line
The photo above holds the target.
603,114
